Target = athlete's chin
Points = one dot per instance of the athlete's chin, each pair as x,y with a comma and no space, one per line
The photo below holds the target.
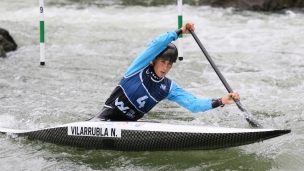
162,75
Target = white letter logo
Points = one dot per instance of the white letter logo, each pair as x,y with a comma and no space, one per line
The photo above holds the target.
141,101
120,106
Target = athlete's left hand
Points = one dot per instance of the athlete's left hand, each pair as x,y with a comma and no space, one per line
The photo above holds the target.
188,26
228,98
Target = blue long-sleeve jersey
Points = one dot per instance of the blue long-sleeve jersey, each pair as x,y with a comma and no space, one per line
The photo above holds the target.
137,92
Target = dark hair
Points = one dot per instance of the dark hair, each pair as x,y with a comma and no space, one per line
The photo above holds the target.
170,53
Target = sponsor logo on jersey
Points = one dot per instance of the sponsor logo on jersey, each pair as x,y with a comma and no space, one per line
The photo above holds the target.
162,86
120,106
131,113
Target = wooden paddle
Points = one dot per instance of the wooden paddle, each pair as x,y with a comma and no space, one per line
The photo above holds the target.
219,74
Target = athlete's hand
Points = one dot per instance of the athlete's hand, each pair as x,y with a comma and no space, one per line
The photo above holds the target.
228,98
188,26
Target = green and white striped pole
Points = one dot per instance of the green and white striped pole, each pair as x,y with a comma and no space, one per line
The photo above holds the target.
42,46
180,24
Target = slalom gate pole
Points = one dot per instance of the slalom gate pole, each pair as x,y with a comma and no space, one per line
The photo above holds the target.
180,24
42,46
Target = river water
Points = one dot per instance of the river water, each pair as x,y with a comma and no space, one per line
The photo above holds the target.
88,49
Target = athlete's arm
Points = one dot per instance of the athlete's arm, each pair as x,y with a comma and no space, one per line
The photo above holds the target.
154,48
187,100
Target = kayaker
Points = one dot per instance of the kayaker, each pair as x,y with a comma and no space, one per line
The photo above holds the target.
145,84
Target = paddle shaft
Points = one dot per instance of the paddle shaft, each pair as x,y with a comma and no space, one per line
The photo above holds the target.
219,74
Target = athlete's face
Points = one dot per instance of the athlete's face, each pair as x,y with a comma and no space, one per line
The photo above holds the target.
162,67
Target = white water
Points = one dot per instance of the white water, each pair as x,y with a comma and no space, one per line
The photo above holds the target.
87,51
